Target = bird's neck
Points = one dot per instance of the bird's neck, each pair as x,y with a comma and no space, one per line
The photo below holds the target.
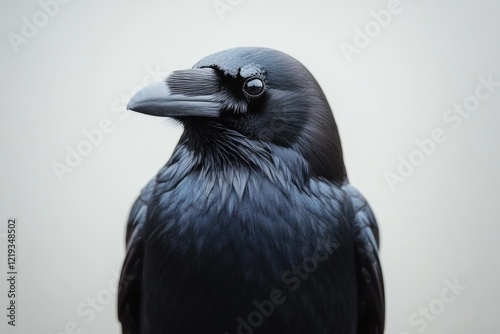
212,149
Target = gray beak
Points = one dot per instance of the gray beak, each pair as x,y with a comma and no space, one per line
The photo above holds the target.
184,93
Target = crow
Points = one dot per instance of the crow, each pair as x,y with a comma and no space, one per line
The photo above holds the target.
252,225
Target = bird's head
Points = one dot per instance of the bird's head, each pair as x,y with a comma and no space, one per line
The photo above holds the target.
263,95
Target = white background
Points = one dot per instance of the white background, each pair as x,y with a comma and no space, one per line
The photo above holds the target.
81,66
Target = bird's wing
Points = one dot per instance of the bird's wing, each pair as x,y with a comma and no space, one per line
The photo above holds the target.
129,289
371,300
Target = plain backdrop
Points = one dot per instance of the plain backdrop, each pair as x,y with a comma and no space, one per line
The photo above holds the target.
77,69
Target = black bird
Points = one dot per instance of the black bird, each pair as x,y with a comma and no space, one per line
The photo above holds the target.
251,226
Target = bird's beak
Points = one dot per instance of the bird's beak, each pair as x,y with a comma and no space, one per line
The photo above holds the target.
184,93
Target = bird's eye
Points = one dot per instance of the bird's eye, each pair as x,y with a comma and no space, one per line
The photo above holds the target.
253,87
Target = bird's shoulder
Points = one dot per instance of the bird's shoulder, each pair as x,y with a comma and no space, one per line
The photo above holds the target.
138,212
363,214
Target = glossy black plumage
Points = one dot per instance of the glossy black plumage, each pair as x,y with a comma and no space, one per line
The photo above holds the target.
254,190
